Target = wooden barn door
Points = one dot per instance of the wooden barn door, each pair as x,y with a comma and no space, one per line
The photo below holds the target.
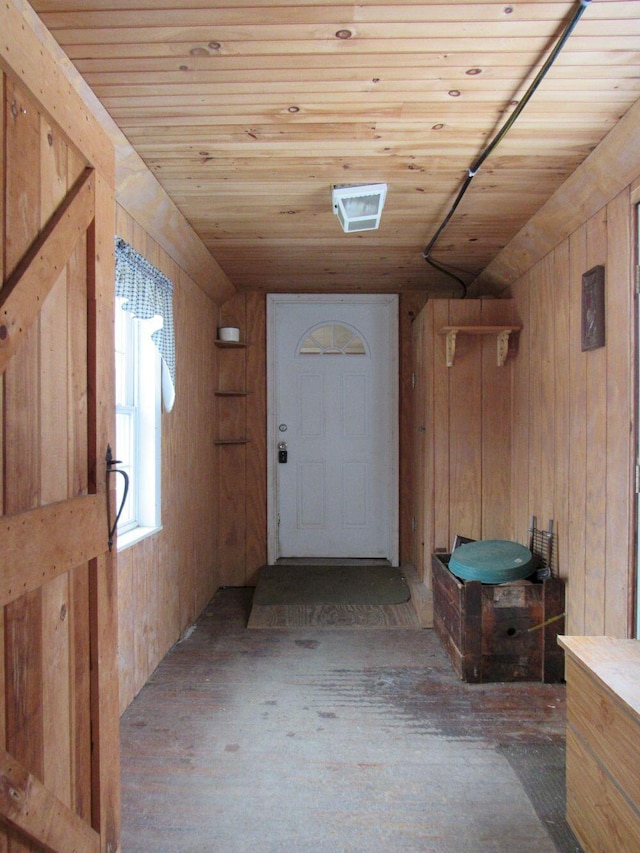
59,751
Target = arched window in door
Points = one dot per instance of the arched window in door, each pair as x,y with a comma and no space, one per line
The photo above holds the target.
332,339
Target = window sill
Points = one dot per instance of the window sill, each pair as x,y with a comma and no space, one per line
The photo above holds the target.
132,537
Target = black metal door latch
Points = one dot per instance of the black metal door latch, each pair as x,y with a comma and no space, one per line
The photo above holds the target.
111,469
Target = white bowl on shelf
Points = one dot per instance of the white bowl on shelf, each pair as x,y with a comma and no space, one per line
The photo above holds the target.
229,333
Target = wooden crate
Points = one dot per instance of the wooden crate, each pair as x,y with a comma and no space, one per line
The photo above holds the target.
498,632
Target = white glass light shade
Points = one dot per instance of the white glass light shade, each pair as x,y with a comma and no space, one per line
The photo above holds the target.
359,208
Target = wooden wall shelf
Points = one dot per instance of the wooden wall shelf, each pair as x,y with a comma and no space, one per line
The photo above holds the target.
230,378
230,344
502,339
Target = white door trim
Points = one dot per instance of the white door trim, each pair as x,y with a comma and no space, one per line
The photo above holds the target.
272,434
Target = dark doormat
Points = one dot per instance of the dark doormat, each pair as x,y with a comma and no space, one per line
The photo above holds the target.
540,767
349,584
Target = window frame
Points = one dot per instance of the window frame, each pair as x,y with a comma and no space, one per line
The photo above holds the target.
141,456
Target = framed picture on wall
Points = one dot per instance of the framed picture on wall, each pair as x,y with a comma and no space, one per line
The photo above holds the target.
593,308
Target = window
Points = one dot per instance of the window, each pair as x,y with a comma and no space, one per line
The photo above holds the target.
138,421
145,374
332,339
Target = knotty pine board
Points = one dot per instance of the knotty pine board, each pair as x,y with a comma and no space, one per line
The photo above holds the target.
496,424
231,423
465,424
440,437
366,103
574,519
466,486
409,308
257,451
562,346
585,462
167,579
541,413
76,324
596,460
23,649
422,460
621,358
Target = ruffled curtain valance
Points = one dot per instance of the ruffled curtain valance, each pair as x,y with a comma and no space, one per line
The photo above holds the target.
149,293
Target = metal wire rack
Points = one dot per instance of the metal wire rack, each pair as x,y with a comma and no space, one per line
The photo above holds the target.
541,545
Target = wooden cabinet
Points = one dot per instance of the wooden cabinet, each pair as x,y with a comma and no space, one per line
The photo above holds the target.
603,742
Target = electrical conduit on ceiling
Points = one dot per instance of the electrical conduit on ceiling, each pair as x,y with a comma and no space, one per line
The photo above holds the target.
473,171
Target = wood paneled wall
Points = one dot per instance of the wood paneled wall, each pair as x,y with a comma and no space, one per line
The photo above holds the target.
411,473
462,429
553,434
243,467
574,417
214,514
166,580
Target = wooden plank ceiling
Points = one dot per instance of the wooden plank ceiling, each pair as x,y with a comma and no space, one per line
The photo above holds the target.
248,112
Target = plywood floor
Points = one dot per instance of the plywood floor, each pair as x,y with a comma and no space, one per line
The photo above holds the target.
303,739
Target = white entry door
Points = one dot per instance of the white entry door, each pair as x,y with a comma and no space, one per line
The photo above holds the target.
332,432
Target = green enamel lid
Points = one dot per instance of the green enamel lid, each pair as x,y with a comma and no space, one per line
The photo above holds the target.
492,561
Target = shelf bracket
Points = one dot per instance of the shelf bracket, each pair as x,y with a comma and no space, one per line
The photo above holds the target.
502,334
502,341
451,346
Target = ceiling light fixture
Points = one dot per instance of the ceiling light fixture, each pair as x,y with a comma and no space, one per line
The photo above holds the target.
359,207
